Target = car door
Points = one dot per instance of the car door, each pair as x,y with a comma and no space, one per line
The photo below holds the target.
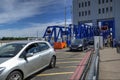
45,53
32,63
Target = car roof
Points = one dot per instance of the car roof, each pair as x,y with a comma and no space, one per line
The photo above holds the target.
26,41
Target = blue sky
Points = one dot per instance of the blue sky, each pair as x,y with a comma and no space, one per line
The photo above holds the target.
26,18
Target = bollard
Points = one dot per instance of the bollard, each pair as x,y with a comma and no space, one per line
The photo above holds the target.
118,47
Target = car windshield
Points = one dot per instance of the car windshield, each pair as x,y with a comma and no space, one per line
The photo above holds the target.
76,41
10,50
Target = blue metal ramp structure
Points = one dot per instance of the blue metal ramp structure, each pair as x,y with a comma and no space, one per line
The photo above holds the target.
85,31
57,33
64,34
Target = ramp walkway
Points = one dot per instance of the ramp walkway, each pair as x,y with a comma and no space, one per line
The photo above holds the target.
109,68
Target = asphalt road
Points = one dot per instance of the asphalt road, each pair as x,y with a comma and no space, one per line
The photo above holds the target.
65,66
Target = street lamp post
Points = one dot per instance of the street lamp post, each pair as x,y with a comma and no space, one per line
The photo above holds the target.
65,13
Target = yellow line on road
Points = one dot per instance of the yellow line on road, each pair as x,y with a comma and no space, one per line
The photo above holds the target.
68,66
52,74
67,62
68,58
70,53
67,53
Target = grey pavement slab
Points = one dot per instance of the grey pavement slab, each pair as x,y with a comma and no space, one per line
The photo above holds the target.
109,64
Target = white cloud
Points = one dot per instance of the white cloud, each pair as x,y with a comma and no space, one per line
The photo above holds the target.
30,31
15,10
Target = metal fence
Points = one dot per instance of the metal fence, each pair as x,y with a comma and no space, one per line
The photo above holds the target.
93,73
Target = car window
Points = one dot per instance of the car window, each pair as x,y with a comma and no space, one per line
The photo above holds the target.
77,41
33,48
43,46
10,50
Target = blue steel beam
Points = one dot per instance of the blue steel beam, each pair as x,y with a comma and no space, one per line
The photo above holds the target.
58,31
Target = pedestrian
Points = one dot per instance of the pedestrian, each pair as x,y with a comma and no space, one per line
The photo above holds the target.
105,42
108,41
111,41
114,42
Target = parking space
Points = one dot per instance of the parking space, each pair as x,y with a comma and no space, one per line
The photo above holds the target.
65,66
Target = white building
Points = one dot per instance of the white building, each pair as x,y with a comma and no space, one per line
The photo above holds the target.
95,11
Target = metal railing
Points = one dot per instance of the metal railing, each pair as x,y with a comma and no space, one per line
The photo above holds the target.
93,73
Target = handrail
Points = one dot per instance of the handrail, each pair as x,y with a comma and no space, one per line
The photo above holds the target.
94,68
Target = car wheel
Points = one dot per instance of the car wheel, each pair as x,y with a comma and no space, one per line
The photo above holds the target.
52,62
70,49
15,75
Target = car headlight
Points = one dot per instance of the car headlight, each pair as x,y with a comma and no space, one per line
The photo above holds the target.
2,69
80,45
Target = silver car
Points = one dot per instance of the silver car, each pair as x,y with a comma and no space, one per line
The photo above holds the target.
18,60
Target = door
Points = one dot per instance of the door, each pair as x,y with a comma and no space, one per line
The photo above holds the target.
45,53
32,62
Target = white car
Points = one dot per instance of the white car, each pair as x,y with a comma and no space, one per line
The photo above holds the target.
18,60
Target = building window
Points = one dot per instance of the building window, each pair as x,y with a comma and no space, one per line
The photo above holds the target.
106,1
111,9
99,2
103,11
79,13
82,4
107,10
79,5
85,13
82,13
99,11
102,1
89,12
88,3
85,4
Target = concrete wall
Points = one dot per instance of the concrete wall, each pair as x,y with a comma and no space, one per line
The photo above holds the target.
75,12
94,16
117,18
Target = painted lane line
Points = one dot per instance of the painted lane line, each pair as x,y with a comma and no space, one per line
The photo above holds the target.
52,74
67,62
69,58
67,53
68,66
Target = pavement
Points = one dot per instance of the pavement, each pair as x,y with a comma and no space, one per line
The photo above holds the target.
109,68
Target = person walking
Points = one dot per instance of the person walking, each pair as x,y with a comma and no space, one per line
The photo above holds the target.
111,41
108,41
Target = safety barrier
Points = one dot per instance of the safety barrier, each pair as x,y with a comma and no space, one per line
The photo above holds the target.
59,45
80,71
94,68
93,73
